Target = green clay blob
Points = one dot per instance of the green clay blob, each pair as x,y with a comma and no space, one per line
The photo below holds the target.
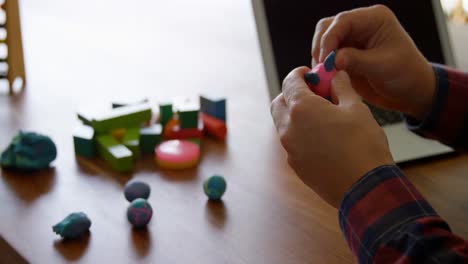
29,151
73,226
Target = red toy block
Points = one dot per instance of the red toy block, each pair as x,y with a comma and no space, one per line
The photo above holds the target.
214,127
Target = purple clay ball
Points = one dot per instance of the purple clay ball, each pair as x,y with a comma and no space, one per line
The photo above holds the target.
139,213
136,189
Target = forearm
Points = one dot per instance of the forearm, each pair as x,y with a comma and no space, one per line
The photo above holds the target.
447,120
385,219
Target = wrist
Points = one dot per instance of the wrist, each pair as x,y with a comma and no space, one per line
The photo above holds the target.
426,88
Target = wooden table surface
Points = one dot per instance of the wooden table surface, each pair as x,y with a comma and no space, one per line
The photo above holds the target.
88,52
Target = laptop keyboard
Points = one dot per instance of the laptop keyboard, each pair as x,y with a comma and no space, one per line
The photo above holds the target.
385,117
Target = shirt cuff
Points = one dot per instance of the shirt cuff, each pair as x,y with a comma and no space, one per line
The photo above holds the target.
430,121
381,202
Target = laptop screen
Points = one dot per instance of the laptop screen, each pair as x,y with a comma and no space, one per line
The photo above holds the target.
292,25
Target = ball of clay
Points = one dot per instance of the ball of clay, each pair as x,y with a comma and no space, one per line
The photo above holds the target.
214,187
73,226
139,212
29,151
136,189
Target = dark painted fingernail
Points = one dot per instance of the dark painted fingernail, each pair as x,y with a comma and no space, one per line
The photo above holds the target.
312,78
330,62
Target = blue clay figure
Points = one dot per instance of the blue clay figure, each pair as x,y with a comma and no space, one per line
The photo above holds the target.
73,226
136,189
214,187
139,213
29,151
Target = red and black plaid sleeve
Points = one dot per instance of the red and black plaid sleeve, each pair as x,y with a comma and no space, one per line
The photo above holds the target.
448,119
386,220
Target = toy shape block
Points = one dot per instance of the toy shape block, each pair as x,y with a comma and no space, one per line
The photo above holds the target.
178,133
117,155
167,132
135,101
320,77
83,139
132,141
150,137
188,116
177,154
165,113
214,127
122,117
213,106
119,133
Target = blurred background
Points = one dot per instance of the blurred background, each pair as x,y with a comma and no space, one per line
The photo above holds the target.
457,20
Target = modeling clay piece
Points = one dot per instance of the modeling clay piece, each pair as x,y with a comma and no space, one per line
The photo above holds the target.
139,212
213,106
320,77
177,154
73,226
214,127
214,187
136,189
83,140
150,137
29,151
169,127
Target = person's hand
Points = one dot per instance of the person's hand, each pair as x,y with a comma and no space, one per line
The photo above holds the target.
385,66
330,146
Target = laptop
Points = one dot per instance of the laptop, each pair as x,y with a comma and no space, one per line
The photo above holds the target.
285,30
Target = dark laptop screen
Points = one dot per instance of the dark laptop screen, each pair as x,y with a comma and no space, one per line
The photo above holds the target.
292,25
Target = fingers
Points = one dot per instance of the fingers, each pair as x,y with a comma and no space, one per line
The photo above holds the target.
279,112
360,62
320,29
360,25
295,87
342,91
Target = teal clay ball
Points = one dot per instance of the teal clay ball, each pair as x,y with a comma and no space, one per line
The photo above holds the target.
29,151
214,187
139,212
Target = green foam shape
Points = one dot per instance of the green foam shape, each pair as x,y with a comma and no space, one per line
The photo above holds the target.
117,155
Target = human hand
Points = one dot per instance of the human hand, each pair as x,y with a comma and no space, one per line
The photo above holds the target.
385,66
330,146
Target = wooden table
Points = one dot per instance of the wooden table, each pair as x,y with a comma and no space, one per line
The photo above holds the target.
88,52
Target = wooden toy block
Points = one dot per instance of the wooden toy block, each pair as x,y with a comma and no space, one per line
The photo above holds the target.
177,154
178,133
188,118
150,137
165,113
83,140
169,127
122,117
213,106
120,103
132,141
214,127
117,155
119,133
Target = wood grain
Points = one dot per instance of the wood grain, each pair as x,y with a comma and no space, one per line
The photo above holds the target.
89,52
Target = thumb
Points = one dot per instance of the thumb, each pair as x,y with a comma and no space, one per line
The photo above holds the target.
358,62
342,91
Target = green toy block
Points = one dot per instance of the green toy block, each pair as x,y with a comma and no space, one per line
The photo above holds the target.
132,141
165,113
83,139
188,116
117,155
150,137
122,117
